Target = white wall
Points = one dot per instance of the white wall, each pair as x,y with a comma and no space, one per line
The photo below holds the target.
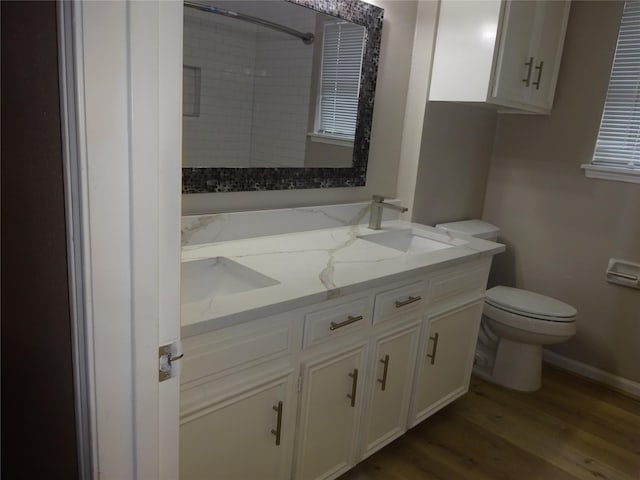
388,119
411,143
560,227
457,142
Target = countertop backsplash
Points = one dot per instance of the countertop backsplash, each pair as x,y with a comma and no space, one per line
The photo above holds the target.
220,227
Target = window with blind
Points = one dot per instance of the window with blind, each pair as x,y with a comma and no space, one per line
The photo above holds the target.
340,79
617,153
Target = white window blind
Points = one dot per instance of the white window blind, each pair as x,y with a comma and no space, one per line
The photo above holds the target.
340,79
618,143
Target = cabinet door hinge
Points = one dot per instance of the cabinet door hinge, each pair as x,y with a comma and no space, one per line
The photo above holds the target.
168,364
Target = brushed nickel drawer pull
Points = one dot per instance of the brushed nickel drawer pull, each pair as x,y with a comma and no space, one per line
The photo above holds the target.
383,380
539,68
278,430
334,326
354,386
432,356
407,301
527,81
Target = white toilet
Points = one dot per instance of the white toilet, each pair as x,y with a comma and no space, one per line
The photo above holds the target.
515,325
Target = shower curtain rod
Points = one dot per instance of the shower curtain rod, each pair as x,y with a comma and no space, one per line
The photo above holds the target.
307,38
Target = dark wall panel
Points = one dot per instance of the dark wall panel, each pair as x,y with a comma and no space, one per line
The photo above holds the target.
38,421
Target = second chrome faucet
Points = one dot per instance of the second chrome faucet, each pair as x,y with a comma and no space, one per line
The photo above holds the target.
377,206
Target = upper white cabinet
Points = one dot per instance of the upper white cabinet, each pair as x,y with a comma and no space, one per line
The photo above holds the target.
505,53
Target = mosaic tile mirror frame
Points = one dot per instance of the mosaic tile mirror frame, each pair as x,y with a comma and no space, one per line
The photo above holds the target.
204,180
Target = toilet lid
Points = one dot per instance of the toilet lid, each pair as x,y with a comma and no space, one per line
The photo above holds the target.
530,304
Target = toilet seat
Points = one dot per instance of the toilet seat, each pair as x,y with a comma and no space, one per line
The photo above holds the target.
529,304
530,328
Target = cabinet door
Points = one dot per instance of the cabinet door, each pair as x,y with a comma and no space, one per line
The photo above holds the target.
550,26
331,405
445,359
248,435
392,371
514,66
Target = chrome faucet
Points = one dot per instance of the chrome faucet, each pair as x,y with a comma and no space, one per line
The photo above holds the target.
377,206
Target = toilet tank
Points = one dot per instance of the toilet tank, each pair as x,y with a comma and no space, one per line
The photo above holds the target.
473,228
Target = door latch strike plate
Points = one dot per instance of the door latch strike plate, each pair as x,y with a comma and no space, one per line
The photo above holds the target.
167,355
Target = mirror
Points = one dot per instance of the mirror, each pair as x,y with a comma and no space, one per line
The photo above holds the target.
278,94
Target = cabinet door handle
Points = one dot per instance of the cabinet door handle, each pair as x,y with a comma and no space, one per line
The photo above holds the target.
432,355
539,69
407,301
278,430
334,326
354,386
383,380
529,64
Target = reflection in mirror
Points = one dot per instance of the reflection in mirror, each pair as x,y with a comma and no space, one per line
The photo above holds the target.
273,96
255,88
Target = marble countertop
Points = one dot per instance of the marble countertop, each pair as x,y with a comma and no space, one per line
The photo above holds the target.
314,266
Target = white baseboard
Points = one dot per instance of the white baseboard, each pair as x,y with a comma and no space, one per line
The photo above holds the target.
600,376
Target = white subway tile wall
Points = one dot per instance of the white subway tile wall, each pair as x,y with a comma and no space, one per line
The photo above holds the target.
254,87
191,91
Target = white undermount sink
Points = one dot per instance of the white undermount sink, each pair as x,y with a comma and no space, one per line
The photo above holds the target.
211,277
411,241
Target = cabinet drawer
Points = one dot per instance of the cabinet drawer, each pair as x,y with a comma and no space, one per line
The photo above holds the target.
328,323
457,285
229,349
398,300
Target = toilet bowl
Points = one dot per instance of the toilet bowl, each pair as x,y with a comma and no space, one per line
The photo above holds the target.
515,325
523,321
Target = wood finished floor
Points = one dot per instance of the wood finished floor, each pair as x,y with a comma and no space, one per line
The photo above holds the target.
570,429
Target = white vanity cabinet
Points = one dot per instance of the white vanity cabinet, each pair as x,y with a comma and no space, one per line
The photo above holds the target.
238,401
245,435
330,412
390,382
505,53
356,400
445,359
308,393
